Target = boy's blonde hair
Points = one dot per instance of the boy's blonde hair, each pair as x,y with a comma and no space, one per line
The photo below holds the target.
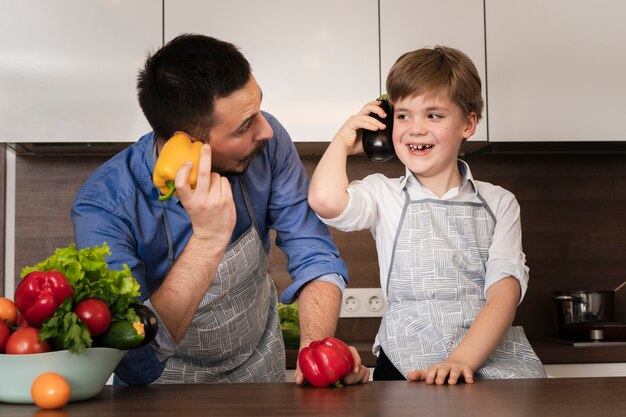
438,71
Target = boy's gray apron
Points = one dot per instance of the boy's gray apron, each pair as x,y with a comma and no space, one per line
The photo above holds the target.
235,335
435,290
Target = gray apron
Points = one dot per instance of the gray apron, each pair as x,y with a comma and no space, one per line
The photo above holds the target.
235,335
435,290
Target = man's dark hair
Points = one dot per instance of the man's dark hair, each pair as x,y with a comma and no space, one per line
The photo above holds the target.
180,82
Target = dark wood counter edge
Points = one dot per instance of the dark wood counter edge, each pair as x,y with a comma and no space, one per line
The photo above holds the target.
550,353
569,397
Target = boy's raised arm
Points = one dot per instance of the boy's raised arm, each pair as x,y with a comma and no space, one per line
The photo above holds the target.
328,195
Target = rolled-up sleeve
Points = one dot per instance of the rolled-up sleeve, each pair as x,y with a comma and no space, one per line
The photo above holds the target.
300,234
506,257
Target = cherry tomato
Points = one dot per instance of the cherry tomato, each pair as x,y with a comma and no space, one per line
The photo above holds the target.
5,332
8,311
26,340
50,390
95,314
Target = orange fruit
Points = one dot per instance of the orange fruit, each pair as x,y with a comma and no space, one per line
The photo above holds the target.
8,311
50,390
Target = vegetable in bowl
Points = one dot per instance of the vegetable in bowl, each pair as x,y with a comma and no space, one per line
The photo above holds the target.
75,307
81,318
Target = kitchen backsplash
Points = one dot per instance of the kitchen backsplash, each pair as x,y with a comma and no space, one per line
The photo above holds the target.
573,209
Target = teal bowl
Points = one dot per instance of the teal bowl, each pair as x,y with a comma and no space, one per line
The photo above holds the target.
87,373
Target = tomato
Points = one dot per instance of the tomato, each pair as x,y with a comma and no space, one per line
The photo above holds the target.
50,390
26,340
8,311
5,332
95,314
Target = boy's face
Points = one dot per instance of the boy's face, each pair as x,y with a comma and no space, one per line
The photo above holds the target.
427,136
240,130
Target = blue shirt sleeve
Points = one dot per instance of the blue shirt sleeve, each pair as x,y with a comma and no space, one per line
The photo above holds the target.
300,234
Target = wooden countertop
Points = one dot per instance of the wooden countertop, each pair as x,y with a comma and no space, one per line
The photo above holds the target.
569,397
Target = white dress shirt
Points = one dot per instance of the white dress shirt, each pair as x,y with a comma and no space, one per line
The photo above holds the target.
376,203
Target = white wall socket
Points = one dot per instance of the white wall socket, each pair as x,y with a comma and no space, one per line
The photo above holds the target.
363,302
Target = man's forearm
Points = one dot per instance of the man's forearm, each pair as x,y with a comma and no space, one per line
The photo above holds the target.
318,308
177,299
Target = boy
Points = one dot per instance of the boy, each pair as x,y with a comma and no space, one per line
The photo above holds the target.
449,247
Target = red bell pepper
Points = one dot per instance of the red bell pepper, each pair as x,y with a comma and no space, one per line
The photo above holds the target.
325,362
40,293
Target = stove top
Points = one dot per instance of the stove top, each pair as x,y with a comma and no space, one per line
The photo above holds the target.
583,343
594,332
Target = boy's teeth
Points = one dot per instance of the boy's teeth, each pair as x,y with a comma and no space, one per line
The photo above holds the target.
419,147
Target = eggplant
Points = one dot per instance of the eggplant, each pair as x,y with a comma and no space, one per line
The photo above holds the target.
378,145
149,321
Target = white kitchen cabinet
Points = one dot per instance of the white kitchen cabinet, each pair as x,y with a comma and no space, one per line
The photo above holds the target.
317,62
406,25
68,68
556,70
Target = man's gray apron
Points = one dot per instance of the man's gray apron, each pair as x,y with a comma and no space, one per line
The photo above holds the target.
435,290
235,335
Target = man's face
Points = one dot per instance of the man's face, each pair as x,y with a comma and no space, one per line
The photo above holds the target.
240,131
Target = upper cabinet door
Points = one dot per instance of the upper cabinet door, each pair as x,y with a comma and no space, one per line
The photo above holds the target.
68,68
406,25
316,61
556,70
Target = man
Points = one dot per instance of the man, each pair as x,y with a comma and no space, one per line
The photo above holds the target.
201,257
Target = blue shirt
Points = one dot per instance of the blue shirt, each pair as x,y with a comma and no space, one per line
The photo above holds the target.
118,204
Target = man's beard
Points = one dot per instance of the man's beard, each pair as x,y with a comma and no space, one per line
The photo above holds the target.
244,161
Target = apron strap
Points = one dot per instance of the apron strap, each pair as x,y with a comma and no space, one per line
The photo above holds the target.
246,197
168,232
407,200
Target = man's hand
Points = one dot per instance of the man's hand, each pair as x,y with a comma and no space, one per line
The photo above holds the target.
358,375
210,206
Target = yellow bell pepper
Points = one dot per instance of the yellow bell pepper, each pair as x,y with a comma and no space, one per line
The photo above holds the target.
176,151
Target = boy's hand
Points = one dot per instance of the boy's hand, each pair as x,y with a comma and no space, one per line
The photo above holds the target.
351,129
450,371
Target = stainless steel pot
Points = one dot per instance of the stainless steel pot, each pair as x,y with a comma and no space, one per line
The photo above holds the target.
575,309
584,307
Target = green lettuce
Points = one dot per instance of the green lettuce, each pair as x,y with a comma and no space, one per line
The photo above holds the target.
90,277
290,324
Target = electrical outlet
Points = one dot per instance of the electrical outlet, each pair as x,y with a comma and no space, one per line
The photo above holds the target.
362,302
351,304
375,303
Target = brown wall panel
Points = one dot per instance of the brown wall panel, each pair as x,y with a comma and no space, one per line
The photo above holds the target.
572,209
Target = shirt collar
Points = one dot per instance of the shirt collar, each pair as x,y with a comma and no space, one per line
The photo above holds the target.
464,169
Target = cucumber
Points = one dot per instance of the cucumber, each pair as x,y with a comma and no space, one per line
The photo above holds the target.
122,335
